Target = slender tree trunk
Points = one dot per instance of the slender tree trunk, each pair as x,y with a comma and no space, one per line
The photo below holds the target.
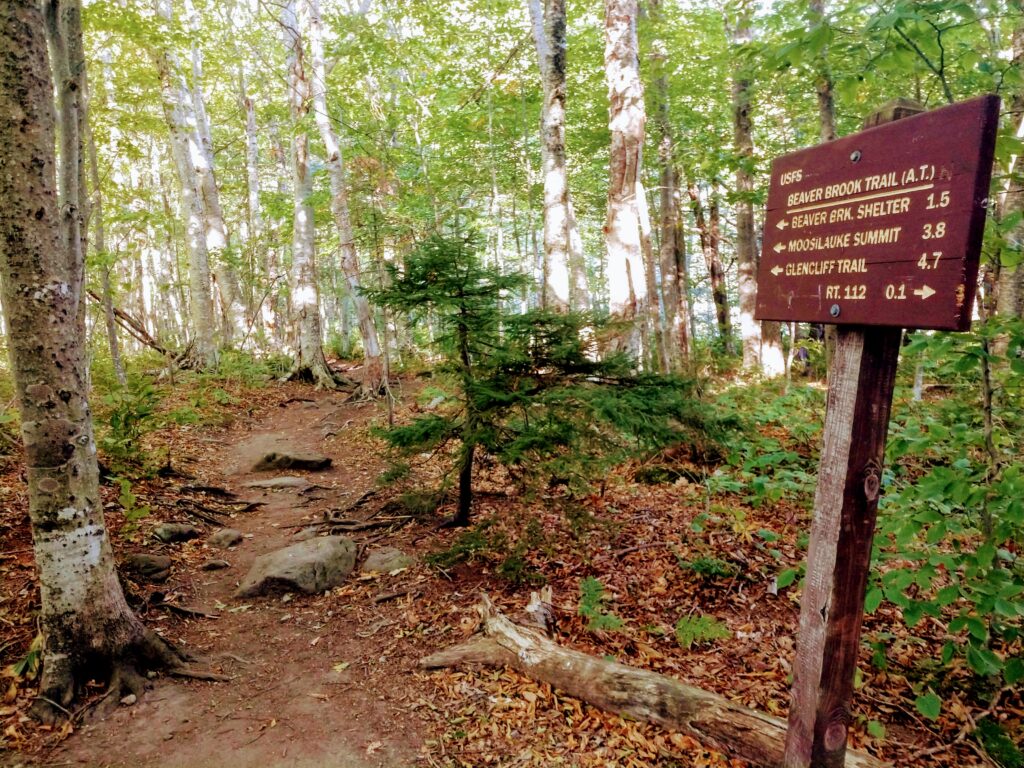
565,272
100,248
743,145
627,283
375,374
827,132
710,237
177,113
233,318
87,626
309,353
672,252
1010,286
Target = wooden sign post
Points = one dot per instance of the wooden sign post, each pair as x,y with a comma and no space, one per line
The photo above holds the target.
875,232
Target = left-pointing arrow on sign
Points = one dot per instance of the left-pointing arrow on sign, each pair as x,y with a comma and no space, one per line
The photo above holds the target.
782,224
777,270
779,247
924,291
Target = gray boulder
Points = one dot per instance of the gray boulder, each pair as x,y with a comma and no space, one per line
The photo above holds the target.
278,460
224,538
170,532
386,560
310,566
155,568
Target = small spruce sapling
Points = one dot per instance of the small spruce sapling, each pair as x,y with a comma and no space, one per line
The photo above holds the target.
530,389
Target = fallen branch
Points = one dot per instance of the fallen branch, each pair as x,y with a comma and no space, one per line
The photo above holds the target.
636,693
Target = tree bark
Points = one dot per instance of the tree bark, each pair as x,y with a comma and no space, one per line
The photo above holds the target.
672,251
375,373
627,283
566,284
1010,286
305,298
184,149
710,239
100,249
743,145
635,693
88,629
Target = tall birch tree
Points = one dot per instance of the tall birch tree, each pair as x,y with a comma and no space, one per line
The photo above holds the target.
565,272
375,373
88,629
627,281
306,326
176,100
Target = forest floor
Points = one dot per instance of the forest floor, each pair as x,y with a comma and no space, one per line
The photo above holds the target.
333,679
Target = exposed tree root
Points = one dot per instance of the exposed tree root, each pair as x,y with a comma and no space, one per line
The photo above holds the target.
637,693
123,665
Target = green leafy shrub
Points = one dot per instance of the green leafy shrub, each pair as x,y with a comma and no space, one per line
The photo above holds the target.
130,414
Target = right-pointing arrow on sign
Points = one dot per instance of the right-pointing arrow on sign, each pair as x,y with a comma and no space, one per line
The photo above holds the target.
924,291
779,247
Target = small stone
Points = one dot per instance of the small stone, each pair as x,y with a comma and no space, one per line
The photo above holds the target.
305,534
225,537
130,699
287,481
277,460
215,565
171,532
387,560
310,566
154,568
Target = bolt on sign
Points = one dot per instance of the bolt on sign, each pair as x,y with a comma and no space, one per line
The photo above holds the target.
882,227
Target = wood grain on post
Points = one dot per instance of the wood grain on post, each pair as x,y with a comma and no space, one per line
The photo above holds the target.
861,381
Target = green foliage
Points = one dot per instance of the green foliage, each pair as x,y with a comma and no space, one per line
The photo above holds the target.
528,388
998,745
133,511
466,547
130,414
591,607
952,520
708,568
699,630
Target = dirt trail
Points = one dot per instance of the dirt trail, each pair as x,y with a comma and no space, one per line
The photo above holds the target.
315,681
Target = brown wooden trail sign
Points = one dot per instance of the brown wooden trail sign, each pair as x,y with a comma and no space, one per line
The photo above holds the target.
882,227
875,232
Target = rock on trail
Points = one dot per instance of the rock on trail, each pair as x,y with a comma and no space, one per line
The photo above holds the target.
310,566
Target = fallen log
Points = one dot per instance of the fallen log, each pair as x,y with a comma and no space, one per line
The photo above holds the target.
640,694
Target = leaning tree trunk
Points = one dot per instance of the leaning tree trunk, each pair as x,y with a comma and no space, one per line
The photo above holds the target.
629,691
88,629
627,283
565,274
305,298
375,374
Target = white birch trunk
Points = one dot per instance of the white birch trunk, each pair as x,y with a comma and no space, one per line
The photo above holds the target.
85,621
216,230
566,286
305,299
375,374
746,257
184,149
627,284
